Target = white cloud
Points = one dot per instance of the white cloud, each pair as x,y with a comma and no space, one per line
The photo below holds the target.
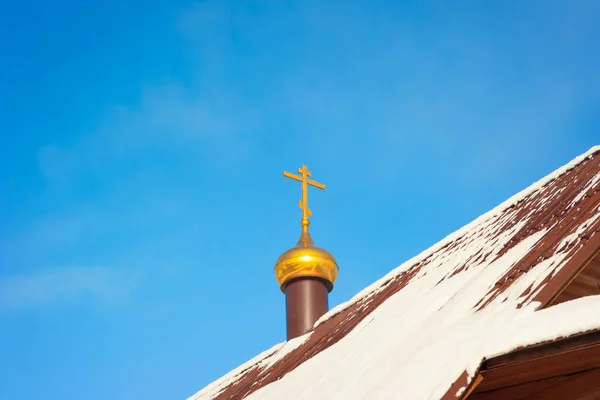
44,287
168,117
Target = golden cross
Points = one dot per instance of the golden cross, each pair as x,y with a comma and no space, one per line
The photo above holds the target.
303,204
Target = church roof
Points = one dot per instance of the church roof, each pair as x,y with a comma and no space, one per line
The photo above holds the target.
424,330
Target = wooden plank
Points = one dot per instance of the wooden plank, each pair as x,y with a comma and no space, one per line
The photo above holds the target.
568,296
581,386
550,294
595,263
517,392
587,281
577,290
568,362
580,290
544,350
473,386
594,267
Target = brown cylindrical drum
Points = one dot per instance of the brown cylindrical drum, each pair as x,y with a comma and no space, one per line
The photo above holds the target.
305,302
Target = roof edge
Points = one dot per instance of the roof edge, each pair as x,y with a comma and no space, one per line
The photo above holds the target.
467,383
511,201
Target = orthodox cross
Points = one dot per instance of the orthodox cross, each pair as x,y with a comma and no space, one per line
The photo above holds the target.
303,204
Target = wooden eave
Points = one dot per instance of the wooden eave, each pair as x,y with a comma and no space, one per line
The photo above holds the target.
575,358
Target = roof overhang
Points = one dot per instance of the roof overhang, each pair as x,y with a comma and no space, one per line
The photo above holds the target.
569,365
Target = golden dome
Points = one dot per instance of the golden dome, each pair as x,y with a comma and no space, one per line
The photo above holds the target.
306,260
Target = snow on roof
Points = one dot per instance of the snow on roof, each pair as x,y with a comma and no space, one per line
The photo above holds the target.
474,295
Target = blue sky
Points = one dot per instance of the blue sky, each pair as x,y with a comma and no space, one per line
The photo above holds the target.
142,145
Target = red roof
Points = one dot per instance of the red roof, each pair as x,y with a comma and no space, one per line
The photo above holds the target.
498,269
